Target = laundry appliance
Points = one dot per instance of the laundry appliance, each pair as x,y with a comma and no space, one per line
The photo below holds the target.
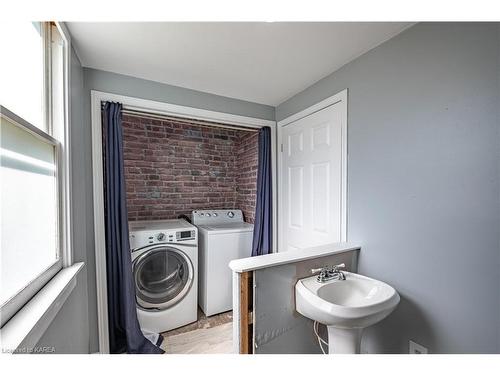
165,271
223,236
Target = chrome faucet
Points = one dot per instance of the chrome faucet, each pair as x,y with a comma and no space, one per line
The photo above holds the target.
328,273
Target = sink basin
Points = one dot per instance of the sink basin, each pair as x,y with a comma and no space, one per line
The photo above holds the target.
345,307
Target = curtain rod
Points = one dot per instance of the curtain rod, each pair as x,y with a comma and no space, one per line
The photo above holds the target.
209,124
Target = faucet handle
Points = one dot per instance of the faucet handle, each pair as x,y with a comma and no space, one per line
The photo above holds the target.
328,268
336,267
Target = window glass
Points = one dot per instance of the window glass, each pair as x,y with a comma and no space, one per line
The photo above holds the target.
33,170
29,208
22,70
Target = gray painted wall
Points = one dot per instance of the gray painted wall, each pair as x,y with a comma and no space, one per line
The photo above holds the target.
423,185
140,88
69,331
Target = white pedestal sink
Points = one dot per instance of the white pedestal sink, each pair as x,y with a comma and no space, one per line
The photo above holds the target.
346,307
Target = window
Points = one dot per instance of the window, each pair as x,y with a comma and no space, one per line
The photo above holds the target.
33,160
22,72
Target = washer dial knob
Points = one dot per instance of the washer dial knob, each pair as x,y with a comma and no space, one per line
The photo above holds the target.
161,236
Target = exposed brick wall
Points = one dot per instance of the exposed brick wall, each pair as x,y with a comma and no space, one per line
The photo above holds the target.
247,163
172,168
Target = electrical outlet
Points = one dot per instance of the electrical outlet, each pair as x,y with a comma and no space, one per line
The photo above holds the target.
417,348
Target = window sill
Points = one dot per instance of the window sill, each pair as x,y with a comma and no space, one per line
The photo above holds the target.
23,331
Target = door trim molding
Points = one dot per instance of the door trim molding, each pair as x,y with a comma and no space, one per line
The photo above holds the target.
339,98
97,168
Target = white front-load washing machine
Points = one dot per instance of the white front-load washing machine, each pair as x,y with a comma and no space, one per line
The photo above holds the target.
165,271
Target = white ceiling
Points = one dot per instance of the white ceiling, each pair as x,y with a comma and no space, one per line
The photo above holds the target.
260,62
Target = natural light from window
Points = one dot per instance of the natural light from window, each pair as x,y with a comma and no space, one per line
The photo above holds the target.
21,70
32,160
28,209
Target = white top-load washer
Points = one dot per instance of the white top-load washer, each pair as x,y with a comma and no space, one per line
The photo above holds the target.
165,271
223,236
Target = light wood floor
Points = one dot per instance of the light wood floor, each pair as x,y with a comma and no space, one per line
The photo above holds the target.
208,335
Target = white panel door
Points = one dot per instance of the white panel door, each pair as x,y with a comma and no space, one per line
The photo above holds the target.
312,211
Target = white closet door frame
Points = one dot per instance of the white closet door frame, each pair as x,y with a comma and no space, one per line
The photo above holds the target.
337,99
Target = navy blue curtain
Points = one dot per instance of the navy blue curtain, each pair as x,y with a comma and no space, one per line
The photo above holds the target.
263,226
125,334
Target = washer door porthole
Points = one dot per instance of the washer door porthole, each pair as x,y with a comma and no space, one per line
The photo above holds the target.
163,276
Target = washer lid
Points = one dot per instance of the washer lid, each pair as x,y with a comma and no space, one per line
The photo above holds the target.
227,228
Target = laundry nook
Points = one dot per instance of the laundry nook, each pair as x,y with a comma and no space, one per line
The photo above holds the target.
191,198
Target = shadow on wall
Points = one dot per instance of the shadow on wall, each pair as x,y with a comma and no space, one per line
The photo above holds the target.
381,338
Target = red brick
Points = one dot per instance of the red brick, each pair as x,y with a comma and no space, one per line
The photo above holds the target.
172,168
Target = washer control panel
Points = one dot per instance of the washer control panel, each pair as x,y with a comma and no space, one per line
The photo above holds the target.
184,235
200,217
143,238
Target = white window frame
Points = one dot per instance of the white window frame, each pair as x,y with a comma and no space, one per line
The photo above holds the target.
63,171
66,175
